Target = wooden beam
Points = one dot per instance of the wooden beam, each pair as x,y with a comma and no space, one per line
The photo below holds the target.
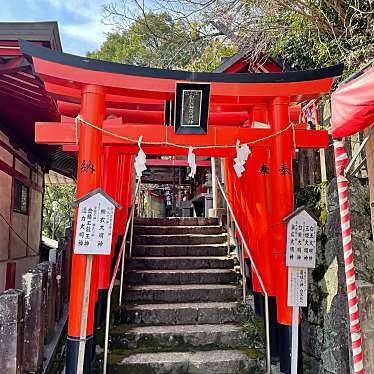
13,65
70,147
24,87
311,138
65,133
166,163
123,80
18,96
176,151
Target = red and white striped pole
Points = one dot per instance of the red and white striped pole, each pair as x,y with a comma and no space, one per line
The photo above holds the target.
341,160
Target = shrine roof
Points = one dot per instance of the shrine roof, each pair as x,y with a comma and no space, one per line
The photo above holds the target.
239,63
42,33
299,210
23,98
73,72
47,83
61,58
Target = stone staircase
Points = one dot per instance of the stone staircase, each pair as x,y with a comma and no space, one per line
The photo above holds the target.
182,312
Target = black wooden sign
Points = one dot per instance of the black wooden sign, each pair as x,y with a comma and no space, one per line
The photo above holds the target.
191,108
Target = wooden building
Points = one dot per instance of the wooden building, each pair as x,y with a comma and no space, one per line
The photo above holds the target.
23,163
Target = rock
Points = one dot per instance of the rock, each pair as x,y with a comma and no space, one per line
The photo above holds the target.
182,314
209,362
184,276
171,293
325,321
180,337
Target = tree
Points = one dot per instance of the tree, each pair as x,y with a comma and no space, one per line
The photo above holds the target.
156,40
304,33
58,210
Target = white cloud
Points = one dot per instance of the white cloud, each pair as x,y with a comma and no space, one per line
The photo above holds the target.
80,21
87,25
90,32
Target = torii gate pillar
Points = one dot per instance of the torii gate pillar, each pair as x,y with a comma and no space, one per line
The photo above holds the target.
109,174
281,187
88,178
65,77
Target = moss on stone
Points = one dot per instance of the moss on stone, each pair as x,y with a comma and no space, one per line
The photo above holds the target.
122,328
255,329
253,353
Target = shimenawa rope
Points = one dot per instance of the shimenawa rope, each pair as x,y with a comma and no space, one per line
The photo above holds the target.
79,119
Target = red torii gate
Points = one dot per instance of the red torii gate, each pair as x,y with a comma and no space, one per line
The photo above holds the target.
137,95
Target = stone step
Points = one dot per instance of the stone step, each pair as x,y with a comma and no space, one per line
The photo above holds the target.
181,338
176,221
186,239
181,262
182,293
194,276
180,250
201,362
169,230
184,313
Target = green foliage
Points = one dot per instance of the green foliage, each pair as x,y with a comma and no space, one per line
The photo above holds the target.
297,46
211,57
58,210
151,41
196,34
313,197
324,35
156,40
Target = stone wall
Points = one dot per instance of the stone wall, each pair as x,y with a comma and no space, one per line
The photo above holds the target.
155,206
28,316
325,331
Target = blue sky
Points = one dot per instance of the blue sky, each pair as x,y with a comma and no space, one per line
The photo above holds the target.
79,21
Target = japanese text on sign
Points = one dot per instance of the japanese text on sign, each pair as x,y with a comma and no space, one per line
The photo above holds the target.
301,241
94,226
191,108
297,287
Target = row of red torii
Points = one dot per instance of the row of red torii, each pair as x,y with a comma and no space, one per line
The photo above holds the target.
124,103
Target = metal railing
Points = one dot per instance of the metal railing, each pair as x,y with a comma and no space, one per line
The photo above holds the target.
244,247
120,258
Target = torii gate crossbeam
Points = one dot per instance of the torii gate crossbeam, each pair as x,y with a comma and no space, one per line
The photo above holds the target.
96,88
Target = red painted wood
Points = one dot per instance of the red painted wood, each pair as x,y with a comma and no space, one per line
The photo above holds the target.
164,89
26,77
70,147
157,117
93,110
173,162
13,65
71,109
10,278
272,67
9,51
125,192
240,66
139,100
39,103
173,151
109,175
31,90
282,205
11,48
65,133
